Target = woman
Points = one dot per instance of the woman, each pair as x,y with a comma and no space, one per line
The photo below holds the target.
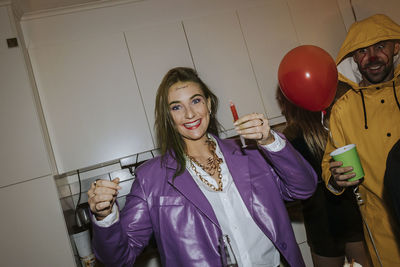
333,223
202,188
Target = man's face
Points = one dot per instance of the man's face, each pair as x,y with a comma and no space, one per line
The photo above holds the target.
375,62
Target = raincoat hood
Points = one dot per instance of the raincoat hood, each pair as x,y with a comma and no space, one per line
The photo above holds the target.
362,34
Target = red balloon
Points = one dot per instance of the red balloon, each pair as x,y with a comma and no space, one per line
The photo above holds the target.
308,77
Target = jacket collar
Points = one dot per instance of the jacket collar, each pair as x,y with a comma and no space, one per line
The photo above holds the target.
185,184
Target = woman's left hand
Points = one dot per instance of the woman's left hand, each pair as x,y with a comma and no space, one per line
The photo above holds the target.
255,126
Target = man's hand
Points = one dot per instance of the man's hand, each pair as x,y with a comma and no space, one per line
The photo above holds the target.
340,177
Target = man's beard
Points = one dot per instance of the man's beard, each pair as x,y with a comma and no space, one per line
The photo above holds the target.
375,78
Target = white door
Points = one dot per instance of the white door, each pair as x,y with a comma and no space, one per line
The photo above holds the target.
23,152
318,22
221,58
267,46
154,50
365,8
33,230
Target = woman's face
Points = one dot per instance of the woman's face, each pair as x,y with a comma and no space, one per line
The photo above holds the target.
189,110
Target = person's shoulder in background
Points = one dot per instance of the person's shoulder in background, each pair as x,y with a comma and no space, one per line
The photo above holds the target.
392,180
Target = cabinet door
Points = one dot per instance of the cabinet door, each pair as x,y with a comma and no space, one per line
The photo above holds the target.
154,51
318,22
23,153
220,56
366,8
269,35
33,230
91,101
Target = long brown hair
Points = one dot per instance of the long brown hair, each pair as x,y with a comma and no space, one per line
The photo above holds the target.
308,123
168,138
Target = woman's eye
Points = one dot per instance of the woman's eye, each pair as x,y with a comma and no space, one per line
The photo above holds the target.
196,100
175,107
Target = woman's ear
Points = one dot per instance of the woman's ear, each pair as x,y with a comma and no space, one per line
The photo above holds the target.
209,105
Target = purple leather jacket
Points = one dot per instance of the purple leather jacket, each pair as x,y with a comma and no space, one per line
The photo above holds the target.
183,222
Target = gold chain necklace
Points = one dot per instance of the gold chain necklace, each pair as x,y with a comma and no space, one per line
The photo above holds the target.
213,164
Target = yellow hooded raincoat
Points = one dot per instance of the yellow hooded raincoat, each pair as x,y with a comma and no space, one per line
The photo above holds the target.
370,118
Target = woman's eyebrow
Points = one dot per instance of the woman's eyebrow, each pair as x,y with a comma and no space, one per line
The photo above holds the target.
193,96
173,102
197,95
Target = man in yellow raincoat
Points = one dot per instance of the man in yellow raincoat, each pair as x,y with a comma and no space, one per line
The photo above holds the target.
368,115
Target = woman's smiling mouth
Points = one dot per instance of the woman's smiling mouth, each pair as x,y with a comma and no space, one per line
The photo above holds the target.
192,125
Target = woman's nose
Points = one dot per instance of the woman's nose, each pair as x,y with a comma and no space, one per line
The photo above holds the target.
189,113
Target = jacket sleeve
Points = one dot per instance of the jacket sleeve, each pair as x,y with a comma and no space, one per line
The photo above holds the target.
335,140
122,242
294,175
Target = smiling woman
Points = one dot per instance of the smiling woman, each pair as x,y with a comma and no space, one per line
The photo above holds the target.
190,113
189,110
183,104
203,190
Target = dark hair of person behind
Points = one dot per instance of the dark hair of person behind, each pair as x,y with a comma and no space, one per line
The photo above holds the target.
168,138
308,123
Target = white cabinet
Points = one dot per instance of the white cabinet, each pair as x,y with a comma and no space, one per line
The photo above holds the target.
97,88
272,29
155,50
91,103
318,22
221,58
23,153
267,46
366,8
33,230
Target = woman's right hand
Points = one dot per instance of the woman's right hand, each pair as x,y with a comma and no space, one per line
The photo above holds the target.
101,197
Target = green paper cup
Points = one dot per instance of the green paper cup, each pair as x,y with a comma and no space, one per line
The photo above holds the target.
349,156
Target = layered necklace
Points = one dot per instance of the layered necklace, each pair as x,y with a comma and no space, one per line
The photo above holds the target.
212,166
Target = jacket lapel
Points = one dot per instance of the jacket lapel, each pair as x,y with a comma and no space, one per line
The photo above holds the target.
185,184
238,165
